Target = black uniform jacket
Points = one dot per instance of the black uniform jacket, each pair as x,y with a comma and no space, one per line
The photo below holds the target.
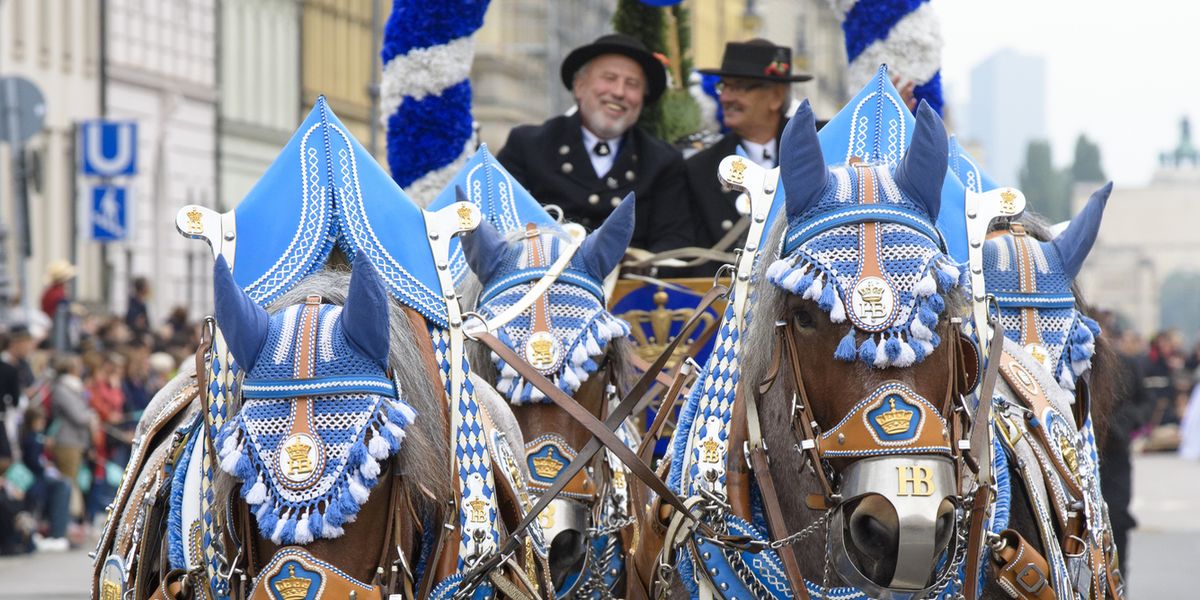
551,162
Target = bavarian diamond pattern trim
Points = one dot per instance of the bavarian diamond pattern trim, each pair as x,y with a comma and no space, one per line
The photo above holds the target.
312,387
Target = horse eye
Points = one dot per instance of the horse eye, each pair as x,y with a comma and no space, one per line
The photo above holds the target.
803,319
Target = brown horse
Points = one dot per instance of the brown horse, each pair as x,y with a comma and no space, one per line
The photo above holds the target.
861,425
392,542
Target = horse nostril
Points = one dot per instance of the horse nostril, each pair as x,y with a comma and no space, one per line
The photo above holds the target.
871,536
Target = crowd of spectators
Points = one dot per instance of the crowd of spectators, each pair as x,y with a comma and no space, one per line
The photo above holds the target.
71,395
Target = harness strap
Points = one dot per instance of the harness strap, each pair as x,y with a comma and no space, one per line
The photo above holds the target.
631,402
646,446
1022,571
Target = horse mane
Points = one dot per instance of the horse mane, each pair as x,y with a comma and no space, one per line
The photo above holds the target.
423,459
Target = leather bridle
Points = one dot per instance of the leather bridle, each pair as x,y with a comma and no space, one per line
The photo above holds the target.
972,498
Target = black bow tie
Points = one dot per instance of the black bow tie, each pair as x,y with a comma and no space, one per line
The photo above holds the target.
601,149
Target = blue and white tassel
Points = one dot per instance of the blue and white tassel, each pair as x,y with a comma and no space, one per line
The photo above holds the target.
425,94
903,34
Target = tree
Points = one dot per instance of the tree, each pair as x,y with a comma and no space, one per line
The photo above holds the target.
1046,189
1086,167
665,31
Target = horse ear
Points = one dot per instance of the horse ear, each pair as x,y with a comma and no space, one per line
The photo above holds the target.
923,169
604,248
1074,243
244,323
484,249
365,315
801,163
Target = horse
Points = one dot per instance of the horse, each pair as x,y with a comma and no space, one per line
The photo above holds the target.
865,424
351,500
569,336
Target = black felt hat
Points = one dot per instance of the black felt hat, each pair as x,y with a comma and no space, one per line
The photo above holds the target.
618,43
757,59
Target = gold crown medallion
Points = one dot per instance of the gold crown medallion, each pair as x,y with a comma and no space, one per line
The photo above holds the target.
547,467
737,171
298,459
466,216
894,421
194,223
541,350
478,510
710,451
292,587
1008,202
872,302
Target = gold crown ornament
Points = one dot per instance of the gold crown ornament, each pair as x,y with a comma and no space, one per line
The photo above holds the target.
292,587
894,421
871,292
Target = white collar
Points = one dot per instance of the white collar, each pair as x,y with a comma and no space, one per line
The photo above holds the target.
600,164
755,153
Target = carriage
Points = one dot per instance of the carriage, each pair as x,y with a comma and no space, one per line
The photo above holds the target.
888,396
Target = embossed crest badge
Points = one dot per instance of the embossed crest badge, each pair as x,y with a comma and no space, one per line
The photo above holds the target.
300,458
873,303
543,352
112,579
1040,354
293,581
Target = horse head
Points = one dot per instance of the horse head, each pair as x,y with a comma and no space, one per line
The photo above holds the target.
861,302
1031,280
569,336
322,422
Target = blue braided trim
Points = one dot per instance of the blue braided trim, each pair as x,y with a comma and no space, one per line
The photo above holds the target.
1035,300
323,386
862,214
572,276
175,550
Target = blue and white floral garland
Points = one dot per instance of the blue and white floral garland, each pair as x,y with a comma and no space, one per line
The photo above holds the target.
425,94
901,33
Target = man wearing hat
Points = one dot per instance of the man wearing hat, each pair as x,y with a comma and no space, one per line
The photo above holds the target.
586,162
755,94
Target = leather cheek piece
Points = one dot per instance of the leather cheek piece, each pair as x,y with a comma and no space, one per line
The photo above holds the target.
893,419
970,364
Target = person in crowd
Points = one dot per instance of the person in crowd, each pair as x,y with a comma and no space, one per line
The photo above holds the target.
1129,411
136,386
49,496
75,421
586,162
17,352
137,315
56,303
10,398
755,95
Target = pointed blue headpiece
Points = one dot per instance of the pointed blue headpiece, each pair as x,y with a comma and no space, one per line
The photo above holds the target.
325,188
967,169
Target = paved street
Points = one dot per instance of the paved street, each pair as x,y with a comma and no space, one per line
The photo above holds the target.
1163,553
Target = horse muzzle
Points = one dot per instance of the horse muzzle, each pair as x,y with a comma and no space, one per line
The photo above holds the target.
889,535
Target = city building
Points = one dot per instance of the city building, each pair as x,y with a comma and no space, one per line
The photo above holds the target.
1148,243
339,59
56,45
259,76
813,31
160,70
1007,109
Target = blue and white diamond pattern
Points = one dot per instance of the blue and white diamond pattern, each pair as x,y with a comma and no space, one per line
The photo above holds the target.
717,392
475,479
222,377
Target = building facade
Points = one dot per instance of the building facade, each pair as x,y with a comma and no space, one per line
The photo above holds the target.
1147,240
339,58
814,33
161,71
56,45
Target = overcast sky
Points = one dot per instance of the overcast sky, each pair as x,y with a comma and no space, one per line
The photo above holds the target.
1123,72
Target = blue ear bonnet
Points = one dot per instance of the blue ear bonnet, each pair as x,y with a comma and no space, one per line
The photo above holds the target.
1068,336
574,309
822,259
338,367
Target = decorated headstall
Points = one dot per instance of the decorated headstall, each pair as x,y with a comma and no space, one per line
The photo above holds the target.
861,244
319,416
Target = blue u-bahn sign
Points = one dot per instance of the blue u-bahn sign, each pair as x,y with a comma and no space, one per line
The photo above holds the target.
108,148
109,214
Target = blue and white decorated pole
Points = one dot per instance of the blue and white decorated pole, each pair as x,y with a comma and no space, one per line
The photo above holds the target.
904,34
425,94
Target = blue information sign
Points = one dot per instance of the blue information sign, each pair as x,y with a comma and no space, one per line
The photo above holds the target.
109,213
108,148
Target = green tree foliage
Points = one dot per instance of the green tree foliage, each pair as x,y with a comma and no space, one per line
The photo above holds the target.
1047,190
1087,161
666,31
